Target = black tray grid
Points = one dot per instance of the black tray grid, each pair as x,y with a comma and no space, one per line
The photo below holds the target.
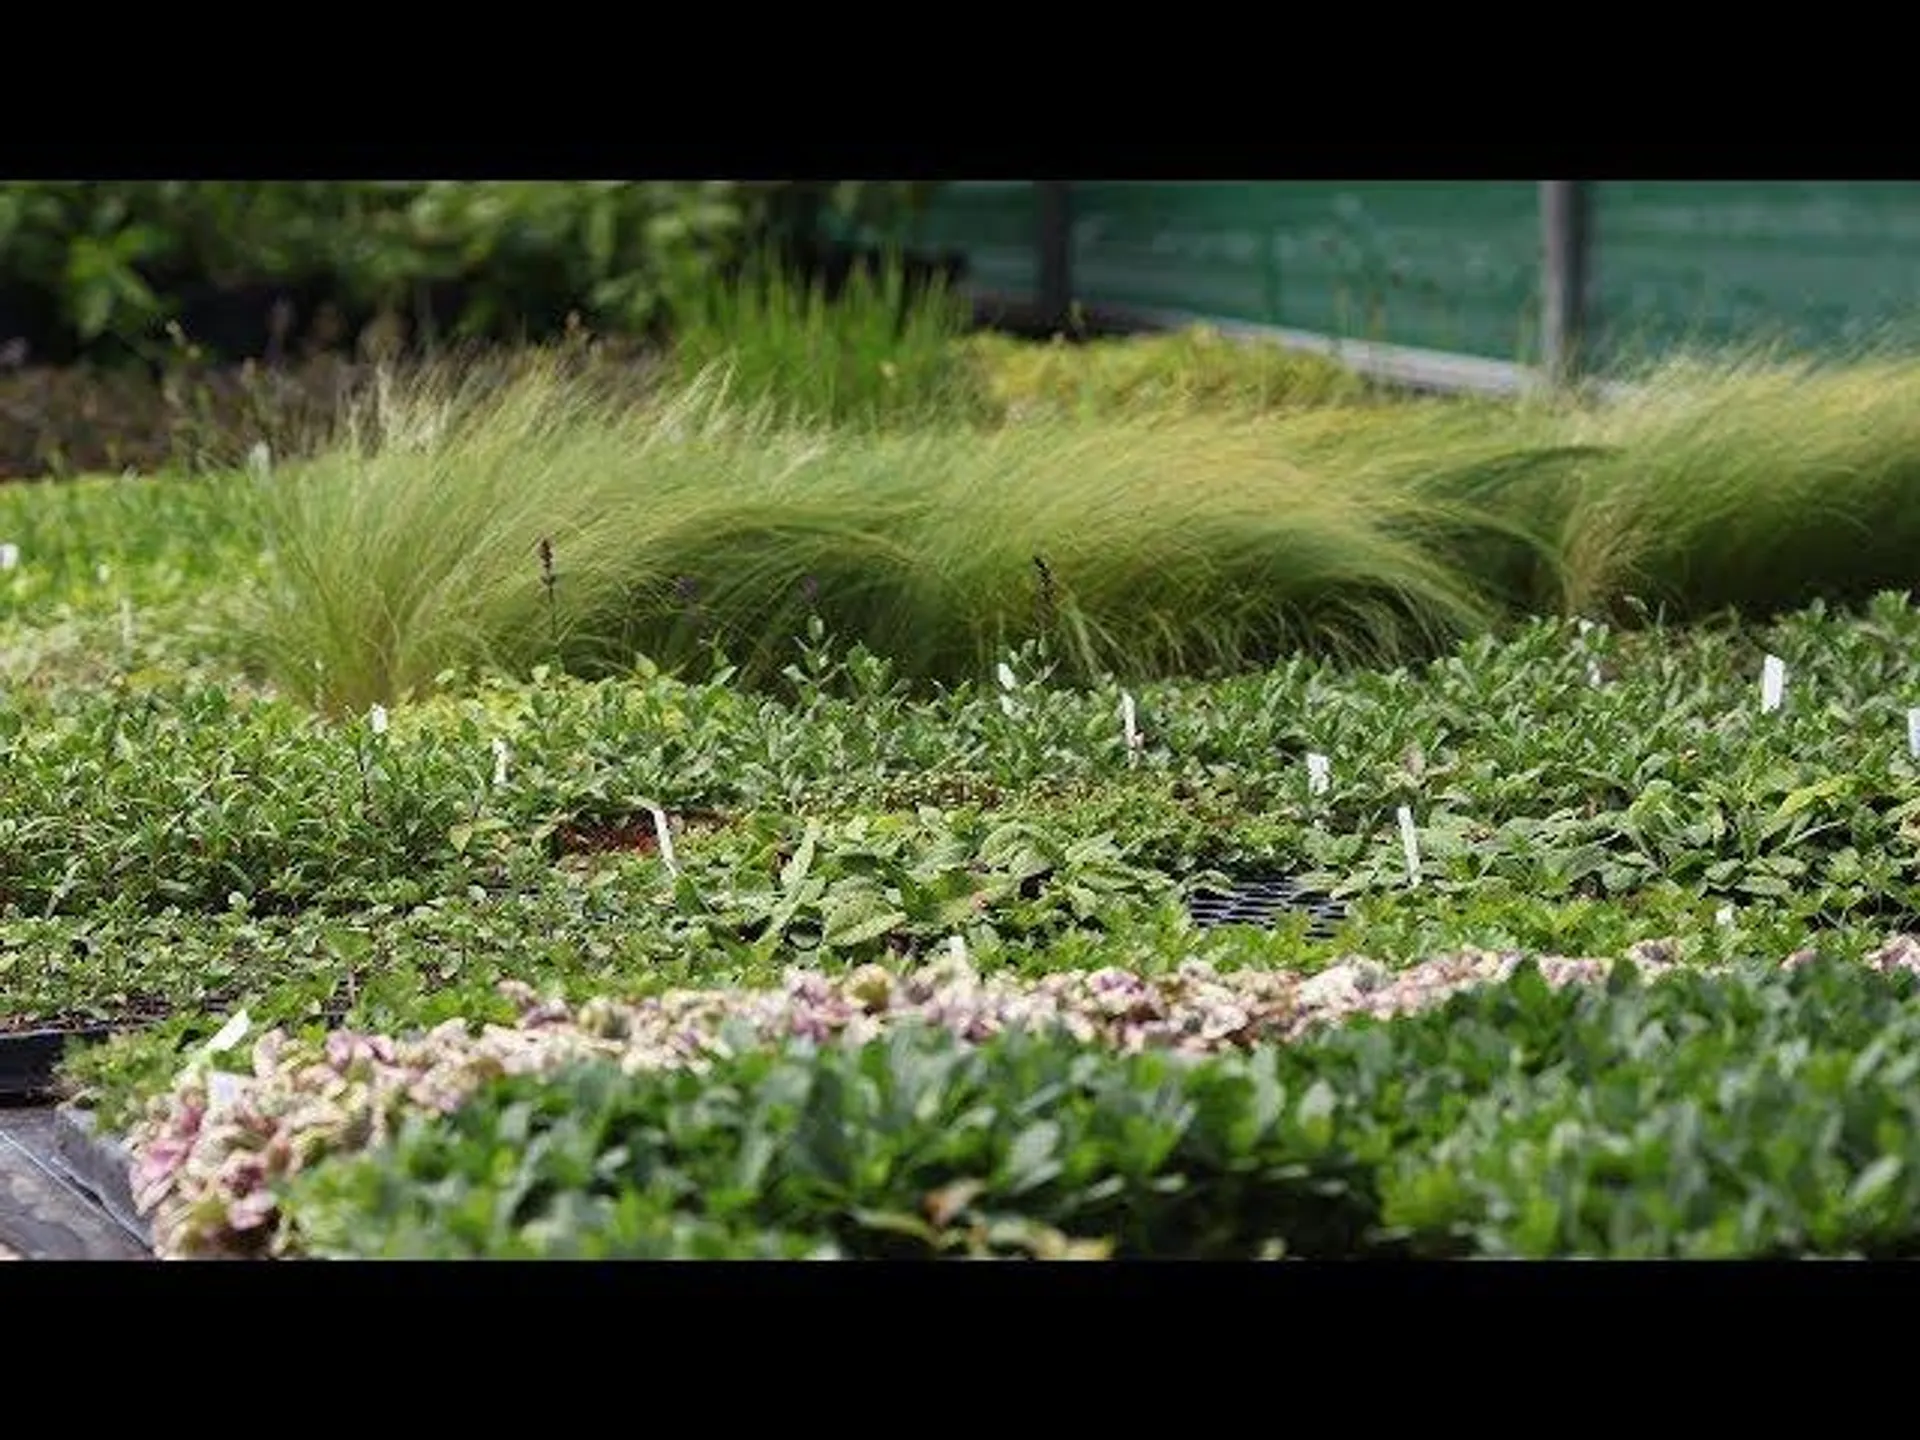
1263,899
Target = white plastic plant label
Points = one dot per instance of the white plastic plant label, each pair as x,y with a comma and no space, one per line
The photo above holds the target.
499,763
664,836
229,1034
260,460
377,718
1410,842
1773,684
957,948
1319,773
1129,725
1007,684
9,555
1723,916
1913,733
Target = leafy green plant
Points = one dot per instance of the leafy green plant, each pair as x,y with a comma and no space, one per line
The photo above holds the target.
1748,1115
118,260
915,1147
873,354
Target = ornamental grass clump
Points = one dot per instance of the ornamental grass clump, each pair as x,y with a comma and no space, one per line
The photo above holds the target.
543,523
461,527
1755,483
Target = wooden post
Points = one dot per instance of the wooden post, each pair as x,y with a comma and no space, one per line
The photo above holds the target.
1056,253
1563,278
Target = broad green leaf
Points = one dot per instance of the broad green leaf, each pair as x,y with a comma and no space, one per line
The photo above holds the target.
1033,1159
1874,1181
857,916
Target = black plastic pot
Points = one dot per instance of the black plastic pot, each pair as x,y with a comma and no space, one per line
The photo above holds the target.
29,1058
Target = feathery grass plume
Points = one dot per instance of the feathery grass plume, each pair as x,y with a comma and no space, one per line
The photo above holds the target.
1193,543
1485,481
408,549
1754,482
1749,481
1169,545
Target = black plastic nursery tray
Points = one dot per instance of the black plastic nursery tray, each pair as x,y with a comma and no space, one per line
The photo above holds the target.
1262,900
28,1058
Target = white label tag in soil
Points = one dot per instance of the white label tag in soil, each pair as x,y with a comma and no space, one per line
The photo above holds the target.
499,763
1594,677
661,833
1319,773
1128,725
1773,684
230,1034
1913,733
1410,842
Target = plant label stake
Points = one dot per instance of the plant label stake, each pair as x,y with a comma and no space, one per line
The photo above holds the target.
1319,773
260,460
1129,726
223,1088
9,555
661,833
377,718
499,763
1773,684
1410,842
1007,682
229,1034
1913,733
957,948
1724,915
1587,627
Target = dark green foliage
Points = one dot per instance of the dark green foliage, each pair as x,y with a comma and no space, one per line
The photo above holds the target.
104,266
1748,1115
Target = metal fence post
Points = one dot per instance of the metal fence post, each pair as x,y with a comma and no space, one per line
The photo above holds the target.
1056,253
1564,227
